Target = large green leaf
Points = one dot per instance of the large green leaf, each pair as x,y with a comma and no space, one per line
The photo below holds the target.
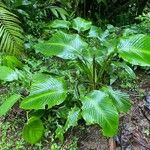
80,24
7,74
6,106
135,49
98,108
49,92
72,119
33,130
120,100
62,45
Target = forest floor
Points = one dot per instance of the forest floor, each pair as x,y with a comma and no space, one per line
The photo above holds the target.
134,130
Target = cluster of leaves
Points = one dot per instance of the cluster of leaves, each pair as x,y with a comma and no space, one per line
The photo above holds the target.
78,86
33,14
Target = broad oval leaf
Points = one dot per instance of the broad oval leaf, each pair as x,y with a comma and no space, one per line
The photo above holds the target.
63,45
33,130
98,108
120,100
81,24
135,49
8,74
6,106
49,92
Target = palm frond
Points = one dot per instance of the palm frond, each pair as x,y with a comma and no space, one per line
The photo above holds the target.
11,34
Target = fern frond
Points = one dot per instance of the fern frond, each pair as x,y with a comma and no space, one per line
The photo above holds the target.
11,34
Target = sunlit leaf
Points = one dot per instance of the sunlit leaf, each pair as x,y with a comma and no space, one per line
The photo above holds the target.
33,130
7,74
120,100
135,49
98,108
62,45
80,24
49,92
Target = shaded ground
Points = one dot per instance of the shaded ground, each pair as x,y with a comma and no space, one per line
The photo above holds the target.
135,127
134,131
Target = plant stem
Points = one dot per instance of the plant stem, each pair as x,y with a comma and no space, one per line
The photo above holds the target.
105,65
94,73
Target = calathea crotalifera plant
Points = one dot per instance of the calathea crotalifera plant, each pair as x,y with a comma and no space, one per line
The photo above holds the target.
82,89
